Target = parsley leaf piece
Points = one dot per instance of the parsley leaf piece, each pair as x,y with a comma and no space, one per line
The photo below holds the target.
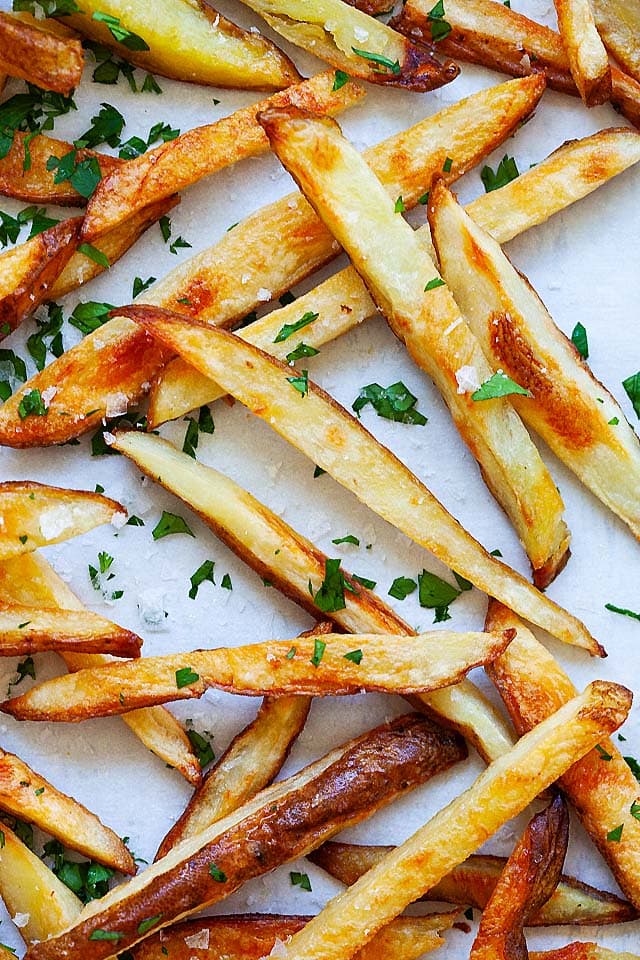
394,402
499,385
392,65
170,523
134,521
225,583
349,538
94,254
145,925
355,656
178,244
330,595
16,362
369,584
32,404
105,935
399,206
339,80
218,875
615,835
634,766
579,340
106,127
300,880
402,587
288,328
190,442
302,350
301,383
622,611
424,199
439,26
49,8
88,316
186,676
319,646
140,285
632,389
201,747
150,84
291,653
613,422
433,284
26,668
83,175
126,37
318,472
506,171
462,582
603,753
203,573
435,592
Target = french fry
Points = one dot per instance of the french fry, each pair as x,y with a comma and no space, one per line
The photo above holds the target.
288,560
26,630
533,685
342,301
473,882
35,515
355,43
568,407
402,279
28,579
205,869
38,56
30,797
372,7
486,32
618,23
29,887
587,56
199,152
188,40
121,358
529,878
581,951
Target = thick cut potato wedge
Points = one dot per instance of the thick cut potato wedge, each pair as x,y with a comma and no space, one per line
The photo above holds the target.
568,407
285,821
587,56
473,882
120,357
618,23
504,789
38,56
28,579
25,630
533,685
342,302
35,515
188,40
355,43
402,280
582,951
337,442
387,664
288,560
28,886
198,153
30,797
486,32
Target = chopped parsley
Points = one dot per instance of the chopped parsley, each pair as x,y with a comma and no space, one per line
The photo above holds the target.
30,112
126,37
145,925
434,284
32,405
88,880
202,574
579,340
102,574
140,285
88,316
204,424
105,935
201,747
26,668
289,328
603,753
615,835
49,8
330,595
225,583
83,175
399,206
392,65
300,880
434,593
319,646
635,810
506,171
402,587
369,584
439,26
302,350
499,385
349,538
218,875
301,383
632,389
50,328
170,523
634,766
394,402
186,676
94,254
339,80
106,127
613,422
622,611
355,656
136,146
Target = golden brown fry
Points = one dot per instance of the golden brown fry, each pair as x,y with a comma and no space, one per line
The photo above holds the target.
25,630
579,419
121,358
202,151
618,23
584,48
581,951
533,685
473,882
326,797
38,56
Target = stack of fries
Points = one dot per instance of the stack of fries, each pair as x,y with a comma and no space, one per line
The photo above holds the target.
213,329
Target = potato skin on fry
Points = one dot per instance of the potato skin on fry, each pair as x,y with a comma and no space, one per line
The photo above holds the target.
25,630
584,48
38,56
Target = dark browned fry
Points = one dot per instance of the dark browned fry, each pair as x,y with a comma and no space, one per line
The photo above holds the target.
38,56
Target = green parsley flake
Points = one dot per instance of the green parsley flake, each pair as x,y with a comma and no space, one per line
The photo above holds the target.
89,316
301,351
301,383
201,747
355,656
202,574
300,880
291,653
433,284
399,206
632,389
225,583
319,646
145,925
339,80
580,341
126,37
140,285
330,596
218,875
634,766
635,810
402,587
94,254
615,835
436,594
603,753
186,676
392,65
621,610
289,328
499,385
170,523
394,402
369,584
439,26
32,405
105,935
349,538
506,171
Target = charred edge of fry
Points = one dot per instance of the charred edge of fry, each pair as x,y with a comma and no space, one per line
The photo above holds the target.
38,56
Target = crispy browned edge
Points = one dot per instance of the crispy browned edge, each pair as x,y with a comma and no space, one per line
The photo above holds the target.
27,486
34,54
106,636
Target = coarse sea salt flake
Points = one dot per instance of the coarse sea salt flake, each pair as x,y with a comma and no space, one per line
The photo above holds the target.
264,295
116,404
198,941
21,919
467,378
118,519
452,326
54,521
361,34
108,438
48,395
278,949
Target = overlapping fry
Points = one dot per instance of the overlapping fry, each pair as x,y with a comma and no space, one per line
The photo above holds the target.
25,630
39,56
587,56
581,951
618,23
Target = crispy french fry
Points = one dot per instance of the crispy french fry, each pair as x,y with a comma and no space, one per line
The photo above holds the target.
504,789
34,515
587,56
28,579
342,301
372,7
207,868
486,32
29,796
38,56
289,561
581,951
568,407
473,882
188,40
202,151
529,878
533,685
25,630
121,358
29,887
618,23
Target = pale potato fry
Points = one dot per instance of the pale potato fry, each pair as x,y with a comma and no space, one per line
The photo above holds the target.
28,886
28,579
289,561
473,882
533,684
25,630
618,23
188,40
30,797
199,152
342,301
38,56
205,869
573,412
337,442
35,515
503,790
402,279
582,951
587,56
121,358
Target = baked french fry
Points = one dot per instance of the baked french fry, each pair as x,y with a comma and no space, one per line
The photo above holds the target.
187,40
28,579
199,152
603,791
29,796
473,882
578,418
38,56
587,56
618,23
205,869
121,358
581,951
25,630
35,515
288,560
342,301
